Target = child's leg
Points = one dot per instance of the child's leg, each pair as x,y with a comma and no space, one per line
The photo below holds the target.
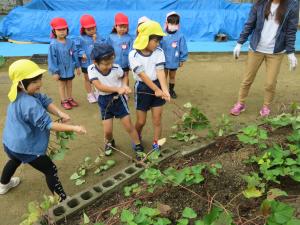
141,117
9,170
167,74
172,75
69,88
87,84
48,168
108,130
126,73
126,121
62,89
156,121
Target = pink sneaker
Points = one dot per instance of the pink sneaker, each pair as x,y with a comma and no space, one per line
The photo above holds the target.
237,109
265,111
91,98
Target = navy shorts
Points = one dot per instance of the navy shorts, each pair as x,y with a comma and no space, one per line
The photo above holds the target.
84,70
66,78
171,69
126,69
145,102
113,105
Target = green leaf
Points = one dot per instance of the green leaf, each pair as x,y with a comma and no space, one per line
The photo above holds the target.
187,105
86,219
199,222
110,163
74,176
126,216
281,212
183,222
275,192
149,211
293,222
79,182
162,221
114,211
189,213
252,192
60,155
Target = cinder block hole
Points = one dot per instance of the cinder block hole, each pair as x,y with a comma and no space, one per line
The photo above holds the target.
59,211
73,203
97,189
138,165
86,195
120,176
108,183
130,170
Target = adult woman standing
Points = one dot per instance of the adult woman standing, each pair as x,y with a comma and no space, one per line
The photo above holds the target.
273,26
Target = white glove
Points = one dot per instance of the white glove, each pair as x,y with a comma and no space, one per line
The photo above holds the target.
237,50
293,61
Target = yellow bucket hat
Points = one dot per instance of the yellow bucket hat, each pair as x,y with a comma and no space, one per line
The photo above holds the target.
20,70
145,30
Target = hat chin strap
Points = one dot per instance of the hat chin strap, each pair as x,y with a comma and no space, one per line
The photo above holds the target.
24,89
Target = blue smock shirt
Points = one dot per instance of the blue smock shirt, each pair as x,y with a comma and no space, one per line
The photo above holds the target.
27,125
175,48
122,46
62,58
85,45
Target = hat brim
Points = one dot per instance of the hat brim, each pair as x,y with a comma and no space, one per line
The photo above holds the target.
90,26
141,41
60,27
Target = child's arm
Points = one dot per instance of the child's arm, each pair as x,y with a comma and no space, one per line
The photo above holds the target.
81,53
163,83
54,110
107,89
53,62
67,127
183,50
157,91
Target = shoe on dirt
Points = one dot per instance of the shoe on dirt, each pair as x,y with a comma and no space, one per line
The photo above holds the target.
173,94
72,102
108,149
91,98
139,151
66,105
237,109
155,146
265,111
4,188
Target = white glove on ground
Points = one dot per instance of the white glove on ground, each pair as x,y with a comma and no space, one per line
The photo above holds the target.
237,50
293,61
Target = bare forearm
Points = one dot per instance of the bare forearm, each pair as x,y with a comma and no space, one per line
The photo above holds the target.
105,88
63,127
54,110
162,79
125,80
148,82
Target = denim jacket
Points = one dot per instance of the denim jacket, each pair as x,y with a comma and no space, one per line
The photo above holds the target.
286,33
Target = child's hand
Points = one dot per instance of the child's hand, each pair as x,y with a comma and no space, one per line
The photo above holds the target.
64,116
166,95
158,93
78,71
127,90
94,37
83,58
55,77
121,90
80,129
181,64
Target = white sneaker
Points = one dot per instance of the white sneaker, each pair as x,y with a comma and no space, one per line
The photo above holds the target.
91,98
4,188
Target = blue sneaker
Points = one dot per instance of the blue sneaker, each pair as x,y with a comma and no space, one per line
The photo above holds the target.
139,149
155,146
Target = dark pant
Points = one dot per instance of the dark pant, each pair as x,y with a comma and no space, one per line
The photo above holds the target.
43,164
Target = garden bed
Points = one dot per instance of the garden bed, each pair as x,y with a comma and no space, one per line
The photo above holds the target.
224,190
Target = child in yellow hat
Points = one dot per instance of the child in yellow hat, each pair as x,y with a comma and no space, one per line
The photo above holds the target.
147,62
27,127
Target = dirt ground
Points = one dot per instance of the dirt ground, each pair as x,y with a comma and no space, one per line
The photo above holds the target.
210,81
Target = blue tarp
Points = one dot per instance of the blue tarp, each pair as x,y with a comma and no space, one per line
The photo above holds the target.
201,20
